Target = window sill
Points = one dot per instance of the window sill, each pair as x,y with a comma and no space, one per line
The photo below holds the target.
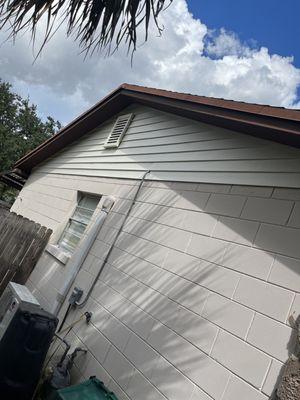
57,253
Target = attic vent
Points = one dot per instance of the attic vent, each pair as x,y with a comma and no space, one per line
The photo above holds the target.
118,131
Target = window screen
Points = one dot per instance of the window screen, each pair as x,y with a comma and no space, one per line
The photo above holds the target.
78,222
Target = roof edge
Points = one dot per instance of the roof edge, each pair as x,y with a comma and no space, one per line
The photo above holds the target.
253,108
69,126
271,123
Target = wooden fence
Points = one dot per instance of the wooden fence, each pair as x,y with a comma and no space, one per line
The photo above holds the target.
21,243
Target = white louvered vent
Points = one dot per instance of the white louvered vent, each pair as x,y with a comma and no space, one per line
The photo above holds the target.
118,131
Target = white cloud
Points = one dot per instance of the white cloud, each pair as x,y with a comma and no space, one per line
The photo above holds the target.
225,44
187,57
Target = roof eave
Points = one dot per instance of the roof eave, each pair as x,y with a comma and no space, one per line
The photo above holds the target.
84,123
272,128
255,120
15,179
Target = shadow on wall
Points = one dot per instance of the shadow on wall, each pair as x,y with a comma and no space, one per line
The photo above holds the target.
185,261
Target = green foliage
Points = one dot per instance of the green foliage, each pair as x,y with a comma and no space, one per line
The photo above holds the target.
7,194
21,130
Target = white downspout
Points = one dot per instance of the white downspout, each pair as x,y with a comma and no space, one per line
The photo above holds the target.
77,259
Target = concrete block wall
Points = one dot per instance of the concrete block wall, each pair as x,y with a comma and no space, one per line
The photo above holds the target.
195,300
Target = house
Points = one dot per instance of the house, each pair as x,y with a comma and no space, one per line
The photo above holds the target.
194,299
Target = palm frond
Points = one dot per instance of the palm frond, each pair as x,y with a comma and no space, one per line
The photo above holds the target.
96,24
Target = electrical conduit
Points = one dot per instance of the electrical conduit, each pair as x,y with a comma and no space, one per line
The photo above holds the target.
77,259
104,261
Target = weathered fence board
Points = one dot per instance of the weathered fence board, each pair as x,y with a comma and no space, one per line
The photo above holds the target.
21,243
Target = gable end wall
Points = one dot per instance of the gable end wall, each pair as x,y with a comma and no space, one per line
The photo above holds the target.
178,149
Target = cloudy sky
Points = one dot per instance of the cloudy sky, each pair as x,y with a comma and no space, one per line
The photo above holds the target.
207,58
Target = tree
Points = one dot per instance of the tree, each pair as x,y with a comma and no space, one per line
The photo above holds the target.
21,130
103,24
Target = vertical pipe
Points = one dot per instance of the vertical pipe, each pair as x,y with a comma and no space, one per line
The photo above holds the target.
82,304
80,255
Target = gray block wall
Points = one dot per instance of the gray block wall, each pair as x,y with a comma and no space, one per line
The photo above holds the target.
195,300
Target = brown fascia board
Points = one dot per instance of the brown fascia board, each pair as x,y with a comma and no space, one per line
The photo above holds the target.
75,130
266,110
12,181
272,123
281,130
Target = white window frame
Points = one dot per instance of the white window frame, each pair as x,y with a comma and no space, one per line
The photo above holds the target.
81,195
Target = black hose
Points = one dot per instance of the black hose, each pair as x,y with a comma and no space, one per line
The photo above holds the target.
63,357
64,318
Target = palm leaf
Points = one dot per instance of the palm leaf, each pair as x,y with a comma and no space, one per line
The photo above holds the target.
95,24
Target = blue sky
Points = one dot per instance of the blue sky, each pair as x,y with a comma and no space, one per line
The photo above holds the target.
271,23
246,58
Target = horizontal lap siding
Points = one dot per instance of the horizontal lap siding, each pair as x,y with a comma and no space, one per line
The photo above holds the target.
179,149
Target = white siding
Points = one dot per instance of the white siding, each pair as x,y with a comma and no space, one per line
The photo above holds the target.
179,149
195,299
207,263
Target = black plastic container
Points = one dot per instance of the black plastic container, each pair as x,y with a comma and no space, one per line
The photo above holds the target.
23,349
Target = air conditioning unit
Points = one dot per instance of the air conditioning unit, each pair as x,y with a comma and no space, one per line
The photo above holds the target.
14,297
26,331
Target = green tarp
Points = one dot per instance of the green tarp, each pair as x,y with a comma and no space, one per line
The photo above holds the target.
92,389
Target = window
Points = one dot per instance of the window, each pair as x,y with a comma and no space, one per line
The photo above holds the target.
78,222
